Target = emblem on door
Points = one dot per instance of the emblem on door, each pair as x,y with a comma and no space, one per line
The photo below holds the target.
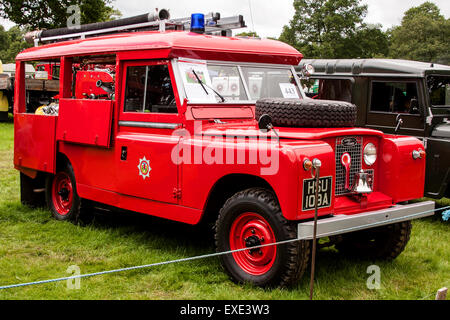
144,168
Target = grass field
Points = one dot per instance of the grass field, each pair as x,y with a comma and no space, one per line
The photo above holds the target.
35,247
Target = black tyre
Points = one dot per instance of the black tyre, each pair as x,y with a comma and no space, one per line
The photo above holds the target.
251,218
30,191
383,243
61,195
307,113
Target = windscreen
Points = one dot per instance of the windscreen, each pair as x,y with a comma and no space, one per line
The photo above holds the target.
212,82
439,89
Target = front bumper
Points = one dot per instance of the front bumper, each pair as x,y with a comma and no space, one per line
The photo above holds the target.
340,224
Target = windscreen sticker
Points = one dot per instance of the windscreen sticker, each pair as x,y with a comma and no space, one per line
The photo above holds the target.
192,71
255,86
289,91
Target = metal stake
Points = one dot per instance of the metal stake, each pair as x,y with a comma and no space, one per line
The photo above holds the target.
316,165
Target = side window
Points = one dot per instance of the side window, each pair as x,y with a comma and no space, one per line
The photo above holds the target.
93,77
42,94
340,90
149,90
395,97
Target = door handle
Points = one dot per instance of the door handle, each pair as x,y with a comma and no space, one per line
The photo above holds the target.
124,153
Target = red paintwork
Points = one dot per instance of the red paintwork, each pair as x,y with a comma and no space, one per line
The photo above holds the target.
214,112
34,142
404,177
249,225
176,43
85,122
49,67
88,133
87,83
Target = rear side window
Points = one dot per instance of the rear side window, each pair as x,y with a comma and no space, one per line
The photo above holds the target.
149,90
395,97
340,90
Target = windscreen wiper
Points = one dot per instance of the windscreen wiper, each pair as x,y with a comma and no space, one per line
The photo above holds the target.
204,84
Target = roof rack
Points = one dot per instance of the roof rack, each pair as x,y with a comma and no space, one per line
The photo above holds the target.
154,21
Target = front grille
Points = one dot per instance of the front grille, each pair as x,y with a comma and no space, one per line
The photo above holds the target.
355,151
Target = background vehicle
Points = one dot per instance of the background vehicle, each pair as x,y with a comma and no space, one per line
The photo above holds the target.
175,107
40,87
387,92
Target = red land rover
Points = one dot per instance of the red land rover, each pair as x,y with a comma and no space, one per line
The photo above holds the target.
171,129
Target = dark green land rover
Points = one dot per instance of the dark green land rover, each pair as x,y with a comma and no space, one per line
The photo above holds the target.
394,96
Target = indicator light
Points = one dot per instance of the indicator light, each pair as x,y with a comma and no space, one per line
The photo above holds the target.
307,164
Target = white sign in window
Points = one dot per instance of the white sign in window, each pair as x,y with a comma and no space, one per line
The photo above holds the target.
289,91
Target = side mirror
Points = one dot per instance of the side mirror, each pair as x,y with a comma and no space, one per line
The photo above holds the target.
307,71
265,122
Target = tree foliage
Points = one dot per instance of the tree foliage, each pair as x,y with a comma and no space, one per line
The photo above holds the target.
424,35
50,14
11,43
250,34
333,29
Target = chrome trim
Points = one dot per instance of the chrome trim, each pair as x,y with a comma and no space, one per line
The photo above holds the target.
244,83
178,81
299,83
341,224
356,154
153,125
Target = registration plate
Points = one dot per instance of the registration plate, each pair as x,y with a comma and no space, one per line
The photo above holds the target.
309,193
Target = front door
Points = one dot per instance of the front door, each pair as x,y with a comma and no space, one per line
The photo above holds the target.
391,101
145,140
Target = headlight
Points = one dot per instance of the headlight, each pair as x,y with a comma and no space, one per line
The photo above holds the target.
370,154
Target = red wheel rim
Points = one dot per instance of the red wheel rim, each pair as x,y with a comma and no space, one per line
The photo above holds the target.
62,193
247,231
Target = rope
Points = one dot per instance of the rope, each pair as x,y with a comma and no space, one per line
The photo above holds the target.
433,294
217,254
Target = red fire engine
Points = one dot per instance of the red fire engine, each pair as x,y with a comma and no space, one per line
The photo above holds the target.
170,129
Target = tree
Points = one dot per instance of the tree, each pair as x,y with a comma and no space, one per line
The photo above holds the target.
423,35
11,43
251,34
333,29
51,14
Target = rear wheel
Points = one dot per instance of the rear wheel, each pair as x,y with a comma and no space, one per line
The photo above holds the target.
383,243
61,194
253,218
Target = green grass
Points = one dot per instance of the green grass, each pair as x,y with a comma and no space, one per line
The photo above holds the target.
33,247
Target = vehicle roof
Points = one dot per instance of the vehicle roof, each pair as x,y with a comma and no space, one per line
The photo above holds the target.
374,67
176,43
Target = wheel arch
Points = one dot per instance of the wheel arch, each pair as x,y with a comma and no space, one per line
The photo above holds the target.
225,188
61,160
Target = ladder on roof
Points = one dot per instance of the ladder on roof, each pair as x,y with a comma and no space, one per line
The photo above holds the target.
156,21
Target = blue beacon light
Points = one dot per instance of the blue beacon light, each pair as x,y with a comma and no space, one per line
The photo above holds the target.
198,23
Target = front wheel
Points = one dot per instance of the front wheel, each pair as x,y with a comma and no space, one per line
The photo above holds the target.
252,218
